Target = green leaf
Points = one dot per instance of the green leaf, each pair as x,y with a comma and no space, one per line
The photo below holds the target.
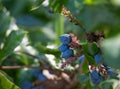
85,48
111,51
38,35
37,4
95,1
93,16
90,59
6,84
90,48
96,17
107,84
85,66
94,87
4,22
43,50
5,19
11,42
6,75
57,4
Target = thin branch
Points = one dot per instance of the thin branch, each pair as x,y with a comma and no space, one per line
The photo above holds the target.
91,37
20,67
68,14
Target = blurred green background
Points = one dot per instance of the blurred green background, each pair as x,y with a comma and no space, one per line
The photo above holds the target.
30,30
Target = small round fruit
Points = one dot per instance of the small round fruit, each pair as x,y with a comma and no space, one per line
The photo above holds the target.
68,53
65,38
63,47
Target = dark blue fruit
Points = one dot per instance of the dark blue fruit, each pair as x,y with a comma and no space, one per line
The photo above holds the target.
26,85
98,58
81,58
111,72
41,77
65,38
68,53
96,78
63,47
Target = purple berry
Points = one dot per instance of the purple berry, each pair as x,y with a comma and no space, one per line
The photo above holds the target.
63,47
65,38
68,53
97,58
81,58
96,78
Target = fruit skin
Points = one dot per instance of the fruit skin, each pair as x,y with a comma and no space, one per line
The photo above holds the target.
63,47
65,38
81,59
96,78
68,53
26,85
98,58
42,77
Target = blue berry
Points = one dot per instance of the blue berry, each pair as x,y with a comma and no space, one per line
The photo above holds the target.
65,38
68,53
111,73
26,85
97,58
96,78
35,72
63,47
81,58
41,77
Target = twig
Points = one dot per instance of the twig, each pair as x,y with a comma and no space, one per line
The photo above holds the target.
68,14
20,67
91,37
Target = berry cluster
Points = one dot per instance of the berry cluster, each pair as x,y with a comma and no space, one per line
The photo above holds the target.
95,75
97,72
64,47
68,46
102,71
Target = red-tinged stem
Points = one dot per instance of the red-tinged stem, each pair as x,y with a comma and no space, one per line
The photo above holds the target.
20,67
